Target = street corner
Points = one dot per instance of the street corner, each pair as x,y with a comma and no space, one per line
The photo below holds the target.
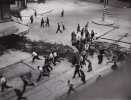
99,29
106,22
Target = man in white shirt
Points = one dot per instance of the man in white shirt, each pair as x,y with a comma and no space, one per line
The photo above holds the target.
86,47
3,83
55,57
78,36
35,56
51,57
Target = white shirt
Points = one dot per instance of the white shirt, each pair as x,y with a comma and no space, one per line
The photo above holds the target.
55,54
2,80
51,55
81,58
78,36
40,69
34,54
86,46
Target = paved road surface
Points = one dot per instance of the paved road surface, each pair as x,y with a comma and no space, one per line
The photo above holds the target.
75,13
116,86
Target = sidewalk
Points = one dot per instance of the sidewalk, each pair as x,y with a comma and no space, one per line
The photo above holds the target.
12,57
12,27
56,85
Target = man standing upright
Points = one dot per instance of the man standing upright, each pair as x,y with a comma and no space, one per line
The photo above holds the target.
92,35
47,22
83,76
42,22
62,13
31,19
77,70
89,65
35,13
78,28
63,26
100,58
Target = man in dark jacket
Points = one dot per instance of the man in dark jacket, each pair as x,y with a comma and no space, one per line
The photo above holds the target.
77,70
100,58
62,13
47,22
82,76
31,19
42,22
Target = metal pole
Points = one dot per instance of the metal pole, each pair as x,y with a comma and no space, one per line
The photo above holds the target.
25,3
105,3
103,16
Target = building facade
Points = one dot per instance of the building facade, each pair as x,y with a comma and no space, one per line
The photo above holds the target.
4,9
18,4
7,5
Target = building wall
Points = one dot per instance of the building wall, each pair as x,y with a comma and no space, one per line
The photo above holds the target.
4,9
19,4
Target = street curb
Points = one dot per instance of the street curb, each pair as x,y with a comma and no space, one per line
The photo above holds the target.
102,23
40,13
100,72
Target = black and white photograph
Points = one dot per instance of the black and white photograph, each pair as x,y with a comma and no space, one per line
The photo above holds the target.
65,49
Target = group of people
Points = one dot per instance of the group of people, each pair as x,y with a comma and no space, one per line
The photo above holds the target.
44,71
82,39
79,61
45,22
50,60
